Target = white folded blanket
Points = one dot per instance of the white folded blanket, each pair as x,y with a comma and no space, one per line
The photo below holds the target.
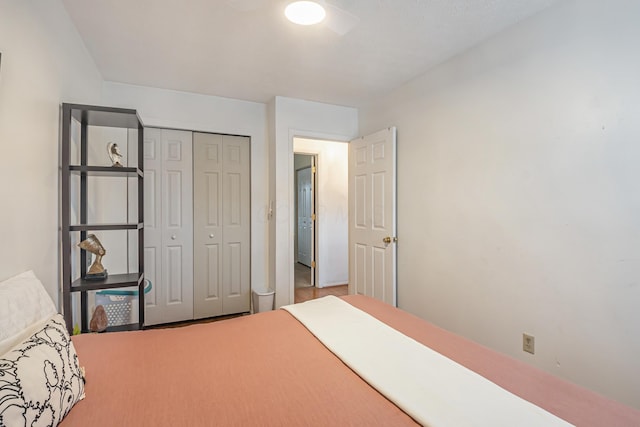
431,388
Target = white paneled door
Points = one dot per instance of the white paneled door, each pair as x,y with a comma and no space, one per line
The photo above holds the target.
168,225
372,216
222,230
305,229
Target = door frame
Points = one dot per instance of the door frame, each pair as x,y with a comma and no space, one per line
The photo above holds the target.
319,136
314,200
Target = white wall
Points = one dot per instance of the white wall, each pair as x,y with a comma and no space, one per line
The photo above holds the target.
296,117
182,110
332,208
518,196
44,63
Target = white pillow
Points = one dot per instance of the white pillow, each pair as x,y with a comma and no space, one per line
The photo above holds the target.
24,306
40,379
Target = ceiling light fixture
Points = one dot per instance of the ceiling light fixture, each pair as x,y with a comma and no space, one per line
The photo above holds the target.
305,12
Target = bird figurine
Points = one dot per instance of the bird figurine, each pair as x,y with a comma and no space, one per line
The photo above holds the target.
114,155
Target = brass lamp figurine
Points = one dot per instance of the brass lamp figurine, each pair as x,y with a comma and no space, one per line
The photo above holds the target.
93,245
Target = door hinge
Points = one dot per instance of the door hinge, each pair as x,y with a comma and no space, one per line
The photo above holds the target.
313,264
313,217
313,169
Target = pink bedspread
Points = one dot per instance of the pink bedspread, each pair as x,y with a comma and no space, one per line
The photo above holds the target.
267,369
568,401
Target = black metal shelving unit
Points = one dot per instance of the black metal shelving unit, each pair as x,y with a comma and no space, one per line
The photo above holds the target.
86,116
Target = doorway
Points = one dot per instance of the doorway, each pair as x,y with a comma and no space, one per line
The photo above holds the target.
327,229
304,202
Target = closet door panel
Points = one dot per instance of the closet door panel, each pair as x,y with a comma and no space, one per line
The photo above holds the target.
236,220
207,226
177,226
214,272
168,225
152,273
152,224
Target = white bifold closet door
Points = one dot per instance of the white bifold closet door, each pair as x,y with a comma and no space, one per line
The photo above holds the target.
222,224
168,220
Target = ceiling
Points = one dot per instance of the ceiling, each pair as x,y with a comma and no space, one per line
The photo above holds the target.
211,47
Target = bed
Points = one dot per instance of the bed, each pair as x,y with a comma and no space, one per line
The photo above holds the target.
268,369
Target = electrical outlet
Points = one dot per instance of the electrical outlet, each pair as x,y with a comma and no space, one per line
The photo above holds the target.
528,343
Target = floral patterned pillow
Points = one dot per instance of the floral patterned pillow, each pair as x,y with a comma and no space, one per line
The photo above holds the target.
40,379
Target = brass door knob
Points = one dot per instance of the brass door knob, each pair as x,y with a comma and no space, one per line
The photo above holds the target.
388,239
